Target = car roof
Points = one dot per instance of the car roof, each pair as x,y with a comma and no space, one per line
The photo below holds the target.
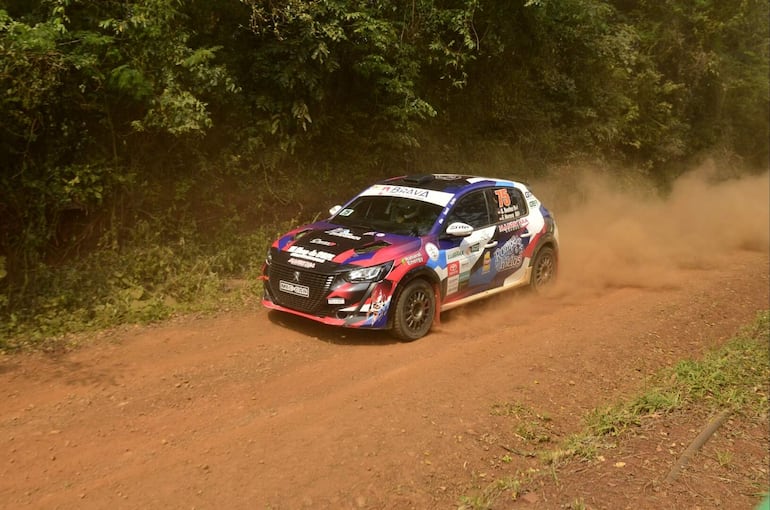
448,183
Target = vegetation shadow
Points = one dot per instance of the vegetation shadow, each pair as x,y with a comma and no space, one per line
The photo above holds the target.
76,373
331,334
52,367
7,366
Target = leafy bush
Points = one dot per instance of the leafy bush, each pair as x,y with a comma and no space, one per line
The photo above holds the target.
146,282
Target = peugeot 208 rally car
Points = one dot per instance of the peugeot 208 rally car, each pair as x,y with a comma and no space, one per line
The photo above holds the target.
407,248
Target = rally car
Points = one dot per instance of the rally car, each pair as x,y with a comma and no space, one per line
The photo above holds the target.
407,248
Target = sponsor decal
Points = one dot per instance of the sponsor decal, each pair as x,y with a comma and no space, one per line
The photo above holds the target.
405,190
533,203
293,288
527,194
508,256
458,275
435,197
301,263
414,258
344,233
513,225
346,212
336,301
455,253
377,305
432,251
506,213
322,242
487,260
465,270
463,251
311,255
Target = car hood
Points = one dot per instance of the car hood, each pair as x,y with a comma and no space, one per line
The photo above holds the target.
326,245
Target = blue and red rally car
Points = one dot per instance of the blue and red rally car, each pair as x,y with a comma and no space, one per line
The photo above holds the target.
409,247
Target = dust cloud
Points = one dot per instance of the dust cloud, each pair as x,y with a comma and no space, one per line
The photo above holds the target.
620,232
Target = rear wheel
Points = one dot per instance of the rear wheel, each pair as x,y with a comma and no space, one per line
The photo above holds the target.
414,310
543,268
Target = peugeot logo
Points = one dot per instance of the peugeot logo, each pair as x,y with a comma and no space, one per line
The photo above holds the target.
296,276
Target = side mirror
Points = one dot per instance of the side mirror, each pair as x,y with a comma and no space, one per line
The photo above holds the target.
334,210
459,229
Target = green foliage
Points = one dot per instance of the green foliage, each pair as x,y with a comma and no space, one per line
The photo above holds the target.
3,274
146,282
79,80
487,496
353,65
119,111
649,82
530,426
714,55
733,377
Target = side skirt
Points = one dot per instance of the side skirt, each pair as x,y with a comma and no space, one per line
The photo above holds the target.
486,293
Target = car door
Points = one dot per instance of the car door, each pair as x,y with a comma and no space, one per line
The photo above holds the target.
468,259
512,234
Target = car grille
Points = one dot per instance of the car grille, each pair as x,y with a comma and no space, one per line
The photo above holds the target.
317,284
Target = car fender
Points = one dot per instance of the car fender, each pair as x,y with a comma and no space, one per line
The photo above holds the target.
547,239
427,274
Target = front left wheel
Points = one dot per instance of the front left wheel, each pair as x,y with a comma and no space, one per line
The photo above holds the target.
414,310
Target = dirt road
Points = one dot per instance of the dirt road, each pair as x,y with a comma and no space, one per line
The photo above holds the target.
258,410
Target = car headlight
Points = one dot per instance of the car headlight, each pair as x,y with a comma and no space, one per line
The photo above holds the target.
368,274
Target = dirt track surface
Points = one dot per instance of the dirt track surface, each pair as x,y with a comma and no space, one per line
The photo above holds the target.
261,410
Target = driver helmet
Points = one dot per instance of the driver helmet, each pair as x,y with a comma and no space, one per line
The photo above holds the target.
407,211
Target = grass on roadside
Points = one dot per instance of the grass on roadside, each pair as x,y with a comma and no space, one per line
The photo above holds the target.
733,377
147,281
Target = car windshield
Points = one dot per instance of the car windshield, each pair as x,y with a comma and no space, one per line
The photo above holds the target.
394,215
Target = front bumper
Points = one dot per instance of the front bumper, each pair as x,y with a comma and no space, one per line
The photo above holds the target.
327,298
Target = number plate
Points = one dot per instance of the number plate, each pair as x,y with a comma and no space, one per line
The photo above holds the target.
293,288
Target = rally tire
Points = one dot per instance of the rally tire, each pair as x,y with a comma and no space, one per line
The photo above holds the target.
543,268
414,310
